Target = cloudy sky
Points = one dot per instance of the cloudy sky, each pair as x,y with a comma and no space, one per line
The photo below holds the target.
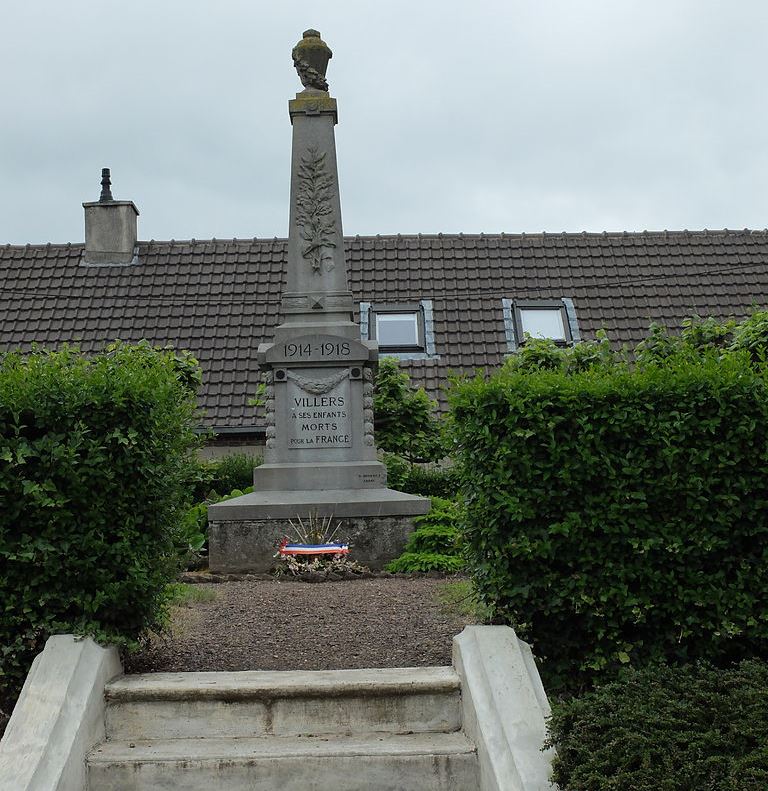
524,115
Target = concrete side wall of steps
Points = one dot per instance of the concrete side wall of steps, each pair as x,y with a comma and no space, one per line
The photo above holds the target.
58,718
504,708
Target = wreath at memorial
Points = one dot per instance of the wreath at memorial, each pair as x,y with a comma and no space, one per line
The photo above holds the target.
315,553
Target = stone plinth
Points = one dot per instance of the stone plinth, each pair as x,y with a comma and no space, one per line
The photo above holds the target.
243,533
250,545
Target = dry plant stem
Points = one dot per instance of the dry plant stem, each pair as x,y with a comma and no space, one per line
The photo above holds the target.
316,531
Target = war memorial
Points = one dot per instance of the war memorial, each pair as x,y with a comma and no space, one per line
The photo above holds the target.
320,458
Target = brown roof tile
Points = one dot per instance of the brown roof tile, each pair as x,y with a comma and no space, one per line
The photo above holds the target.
219,298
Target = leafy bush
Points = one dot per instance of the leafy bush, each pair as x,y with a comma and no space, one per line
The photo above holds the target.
440,482
398,470
751,335
416,479
234,471
194,523
94,456
619,516
701,336
543,354
412,562
666,729
435,544
405,419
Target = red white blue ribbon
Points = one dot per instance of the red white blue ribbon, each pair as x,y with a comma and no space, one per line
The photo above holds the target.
313,549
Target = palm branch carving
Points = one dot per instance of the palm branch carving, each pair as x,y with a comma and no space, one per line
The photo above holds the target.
314,210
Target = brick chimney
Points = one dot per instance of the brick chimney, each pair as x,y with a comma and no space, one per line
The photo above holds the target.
110,227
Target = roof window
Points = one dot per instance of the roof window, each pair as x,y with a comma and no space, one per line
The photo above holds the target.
553,319
403,330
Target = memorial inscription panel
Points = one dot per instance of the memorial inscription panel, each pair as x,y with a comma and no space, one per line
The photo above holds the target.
318,409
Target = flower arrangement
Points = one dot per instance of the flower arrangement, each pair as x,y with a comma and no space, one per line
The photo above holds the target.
315,552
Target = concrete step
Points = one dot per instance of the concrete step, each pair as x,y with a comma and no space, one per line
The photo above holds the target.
291,703
384,762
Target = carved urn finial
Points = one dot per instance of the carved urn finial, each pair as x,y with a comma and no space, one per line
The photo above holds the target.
310,57
106,186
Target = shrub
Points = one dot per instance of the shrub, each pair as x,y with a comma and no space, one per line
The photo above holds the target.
234,472
619,516
194,525
94,455
751,335
416,479
435,544
666,729
215,476
439,482
543,354
405,417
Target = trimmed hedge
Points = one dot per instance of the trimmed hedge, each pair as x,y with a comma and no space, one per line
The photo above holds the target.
94,455
666,729
618,516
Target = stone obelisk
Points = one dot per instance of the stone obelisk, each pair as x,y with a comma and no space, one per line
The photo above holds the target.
320,454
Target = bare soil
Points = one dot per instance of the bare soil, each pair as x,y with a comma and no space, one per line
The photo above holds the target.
289,625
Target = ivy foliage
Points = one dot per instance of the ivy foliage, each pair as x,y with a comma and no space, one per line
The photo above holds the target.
618,515
405,419
666,729
95,456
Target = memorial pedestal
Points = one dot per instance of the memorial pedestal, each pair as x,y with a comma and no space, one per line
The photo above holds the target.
243,533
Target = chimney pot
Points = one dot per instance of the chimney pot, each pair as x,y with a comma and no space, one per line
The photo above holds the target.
106,186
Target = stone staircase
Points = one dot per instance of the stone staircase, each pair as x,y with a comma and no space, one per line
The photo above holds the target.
389,729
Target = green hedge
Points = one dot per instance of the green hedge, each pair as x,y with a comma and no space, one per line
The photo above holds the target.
94,453
666,729
618,516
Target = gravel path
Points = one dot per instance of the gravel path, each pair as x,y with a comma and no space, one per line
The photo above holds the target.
286,625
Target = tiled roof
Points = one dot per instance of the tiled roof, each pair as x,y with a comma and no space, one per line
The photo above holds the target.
219,298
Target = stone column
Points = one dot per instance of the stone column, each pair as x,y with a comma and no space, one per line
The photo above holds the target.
320,456
320,396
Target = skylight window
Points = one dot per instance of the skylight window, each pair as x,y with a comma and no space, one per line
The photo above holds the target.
543,323
397,327
553,319
404,330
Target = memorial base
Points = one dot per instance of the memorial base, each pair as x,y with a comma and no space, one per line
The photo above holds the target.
243,533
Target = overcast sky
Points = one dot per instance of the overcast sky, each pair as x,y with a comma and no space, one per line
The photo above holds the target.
524,115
